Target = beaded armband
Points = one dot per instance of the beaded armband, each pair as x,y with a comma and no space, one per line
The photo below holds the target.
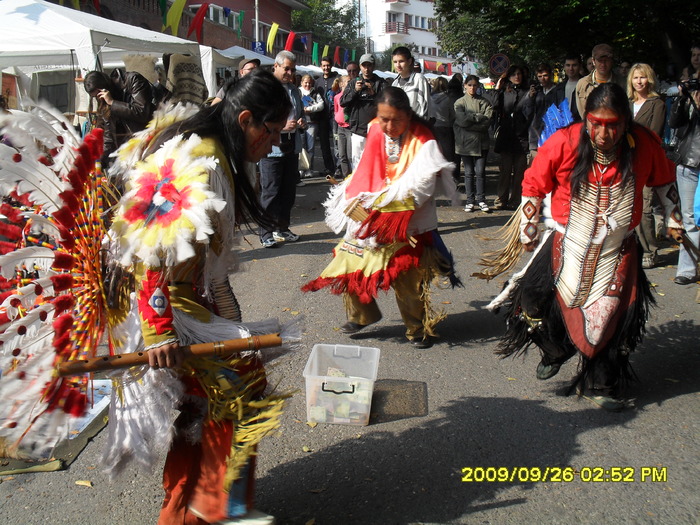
529,219
668,195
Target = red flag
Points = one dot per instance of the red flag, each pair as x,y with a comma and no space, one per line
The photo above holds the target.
198,21
96,3
290,41
336,56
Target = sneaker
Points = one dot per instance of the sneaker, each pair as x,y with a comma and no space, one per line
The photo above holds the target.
469,208
484,207
285,236
301,183
254,517
268,243
609,403
308,174
545,372
648,261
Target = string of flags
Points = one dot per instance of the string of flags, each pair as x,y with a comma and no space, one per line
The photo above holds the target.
172,17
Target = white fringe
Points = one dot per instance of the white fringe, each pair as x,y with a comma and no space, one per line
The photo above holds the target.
143,399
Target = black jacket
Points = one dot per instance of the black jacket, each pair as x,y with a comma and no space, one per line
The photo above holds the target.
130,112
360,106
688,150
538,106
514,115
323,86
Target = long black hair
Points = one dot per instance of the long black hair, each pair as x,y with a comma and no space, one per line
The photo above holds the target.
613,97
398,99
258,92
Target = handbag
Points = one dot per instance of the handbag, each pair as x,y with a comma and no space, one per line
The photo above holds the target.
304,161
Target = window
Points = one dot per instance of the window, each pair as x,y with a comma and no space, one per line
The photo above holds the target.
409,20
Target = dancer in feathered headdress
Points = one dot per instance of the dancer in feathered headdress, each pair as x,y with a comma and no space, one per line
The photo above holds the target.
387,210
170,256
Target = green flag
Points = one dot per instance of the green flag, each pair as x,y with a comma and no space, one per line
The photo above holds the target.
241,15
163,4
353,54
314,54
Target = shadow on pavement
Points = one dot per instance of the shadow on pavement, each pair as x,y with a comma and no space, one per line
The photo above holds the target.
416,475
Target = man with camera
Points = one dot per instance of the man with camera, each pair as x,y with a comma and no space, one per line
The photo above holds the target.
358,101
685,114
541,96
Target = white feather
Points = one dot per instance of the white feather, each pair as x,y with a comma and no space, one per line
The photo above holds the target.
30,257
43,225
30,176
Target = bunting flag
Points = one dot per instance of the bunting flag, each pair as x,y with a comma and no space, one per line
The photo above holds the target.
98,8
271,37
336,56
326,50
76,5
198,21
241,16
172,20
163,4
290,41
314,55
305,41
346,57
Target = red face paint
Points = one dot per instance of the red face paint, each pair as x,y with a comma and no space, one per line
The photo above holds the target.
605,132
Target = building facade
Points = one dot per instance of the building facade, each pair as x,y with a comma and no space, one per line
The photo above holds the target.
223,26
389,23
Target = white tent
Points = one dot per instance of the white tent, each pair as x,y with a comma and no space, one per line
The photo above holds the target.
41,35
241,52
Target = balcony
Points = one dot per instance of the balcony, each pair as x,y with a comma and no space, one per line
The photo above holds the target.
393,28
396,2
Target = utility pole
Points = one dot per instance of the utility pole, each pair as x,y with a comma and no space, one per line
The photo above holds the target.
257,25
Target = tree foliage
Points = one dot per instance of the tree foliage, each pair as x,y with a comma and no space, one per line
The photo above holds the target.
330,25
658,32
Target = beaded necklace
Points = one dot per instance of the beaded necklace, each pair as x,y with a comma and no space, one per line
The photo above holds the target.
393,148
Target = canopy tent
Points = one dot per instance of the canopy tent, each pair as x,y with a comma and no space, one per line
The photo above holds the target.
41,35
241,52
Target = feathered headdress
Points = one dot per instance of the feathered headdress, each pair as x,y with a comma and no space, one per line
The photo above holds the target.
52,306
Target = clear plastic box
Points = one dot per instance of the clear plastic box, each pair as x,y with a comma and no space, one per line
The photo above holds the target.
339,383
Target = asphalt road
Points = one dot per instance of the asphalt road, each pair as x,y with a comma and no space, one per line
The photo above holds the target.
483,414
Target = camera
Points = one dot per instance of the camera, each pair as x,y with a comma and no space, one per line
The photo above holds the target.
692,84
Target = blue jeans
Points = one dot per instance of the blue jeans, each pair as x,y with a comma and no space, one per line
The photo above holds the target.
687,180
475,171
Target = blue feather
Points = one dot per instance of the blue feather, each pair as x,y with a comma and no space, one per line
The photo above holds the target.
555,118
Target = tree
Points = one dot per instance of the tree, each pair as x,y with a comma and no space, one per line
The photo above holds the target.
658,32
330,25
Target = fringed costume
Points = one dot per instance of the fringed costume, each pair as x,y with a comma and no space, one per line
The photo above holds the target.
387,209
161,275
173,230
584,289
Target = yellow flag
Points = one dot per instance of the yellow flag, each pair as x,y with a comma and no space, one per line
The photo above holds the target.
326,50
172,19
271,37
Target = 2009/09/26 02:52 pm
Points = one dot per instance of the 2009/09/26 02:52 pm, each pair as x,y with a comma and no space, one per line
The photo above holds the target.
564,474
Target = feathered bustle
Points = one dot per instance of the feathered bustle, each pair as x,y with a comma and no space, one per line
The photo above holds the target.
53,204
